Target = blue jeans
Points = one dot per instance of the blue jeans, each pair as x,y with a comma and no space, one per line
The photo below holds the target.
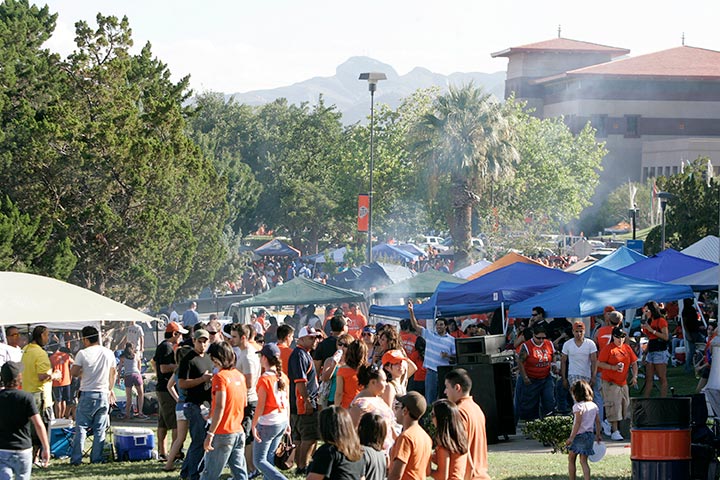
92,412
536,400
228,448
17,464
598,398
431,386
264,451
197,430
689,355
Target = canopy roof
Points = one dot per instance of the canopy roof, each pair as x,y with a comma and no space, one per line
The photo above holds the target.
337,255
28,298
581,264
301,291
666,266
471,269
589,293
508,259
393,252
421,285
707,248
620,258
423,310
377,275
277,248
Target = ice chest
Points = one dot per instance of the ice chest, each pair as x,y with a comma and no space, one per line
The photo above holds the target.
61,435
133,444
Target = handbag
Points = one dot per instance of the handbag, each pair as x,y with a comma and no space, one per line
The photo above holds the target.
285,452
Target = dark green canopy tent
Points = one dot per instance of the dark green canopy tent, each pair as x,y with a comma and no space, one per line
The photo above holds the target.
301,291
421,285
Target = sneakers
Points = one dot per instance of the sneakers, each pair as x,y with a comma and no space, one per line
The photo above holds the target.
606,428
616,436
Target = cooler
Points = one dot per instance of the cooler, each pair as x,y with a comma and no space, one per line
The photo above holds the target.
133,443
61,434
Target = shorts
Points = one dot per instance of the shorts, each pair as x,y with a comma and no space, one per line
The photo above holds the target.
305,427
61,394
133,380
616,399
248,415
657,358
180,412
583,444
166,411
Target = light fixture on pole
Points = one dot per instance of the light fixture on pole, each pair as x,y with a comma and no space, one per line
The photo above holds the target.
664,198
372,78
633,215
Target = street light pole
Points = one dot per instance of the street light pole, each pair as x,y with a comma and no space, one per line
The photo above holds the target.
664,197
633,215
372,78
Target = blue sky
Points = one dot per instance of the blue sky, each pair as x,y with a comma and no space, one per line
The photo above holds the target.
243,45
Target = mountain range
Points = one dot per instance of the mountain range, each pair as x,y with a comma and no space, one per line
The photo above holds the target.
351,97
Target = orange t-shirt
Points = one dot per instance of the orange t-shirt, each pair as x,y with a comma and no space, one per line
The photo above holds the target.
356,324
284,357
603,336
61,361
413,448
454,462
474,420
232,382
350,385
408,342
613,355
421,371
657,325
267,382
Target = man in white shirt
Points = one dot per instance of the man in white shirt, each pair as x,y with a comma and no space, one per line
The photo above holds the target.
136,336
248,363
11,350
95,365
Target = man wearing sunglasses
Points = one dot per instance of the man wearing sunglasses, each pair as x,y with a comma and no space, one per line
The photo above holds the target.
534,392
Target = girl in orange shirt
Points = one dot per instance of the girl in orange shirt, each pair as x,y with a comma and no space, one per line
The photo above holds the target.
656,329
451,451
346,381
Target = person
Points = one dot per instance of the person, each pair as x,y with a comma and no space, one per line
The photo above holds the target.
136,336
191,317
603,337
656,328
534,394
394,362
537,318
331,366
164,364
285,334
458,385
356,321
248,363
341,455
214,329
373,380
19,411
95,365
12,350
439,351
178,394
195,377
372,431
328,347
579,357
410,454
453,329
130,365
451,451
346,380
61,361
702,368
272,415
304,389
614,362
225,439
691,324
407,337
585,419
416,383
271,335
368,338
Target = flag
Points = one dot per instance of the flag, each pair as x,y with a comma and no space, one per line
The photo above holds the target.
653,202
363,212
709,172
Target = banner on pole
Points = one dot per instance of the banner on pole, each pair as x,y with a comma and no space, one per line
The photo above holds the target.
363,212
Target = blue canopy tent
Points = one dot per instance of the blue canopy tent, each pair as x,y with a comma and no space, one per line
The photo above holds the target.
620,258
423,311
392,252
589,293
277,248
667,266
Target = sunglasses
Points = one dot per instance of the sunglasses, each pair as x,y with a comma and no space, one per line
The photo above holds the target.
367,334
343,344
212,333
540,338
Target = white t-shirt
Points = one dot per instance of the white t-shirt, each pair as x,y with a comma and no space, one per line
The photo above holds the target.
96,362
134,334
249,364
579,357
589,411
10,354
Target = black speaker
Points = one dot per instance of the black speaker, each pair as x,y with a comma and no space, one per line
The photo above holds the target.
491,389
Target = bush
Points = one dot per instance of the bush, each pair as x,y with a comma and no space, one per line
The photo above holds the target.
551,431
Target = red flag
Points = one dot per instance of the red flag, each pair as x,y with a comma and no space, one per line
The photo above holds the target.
363,212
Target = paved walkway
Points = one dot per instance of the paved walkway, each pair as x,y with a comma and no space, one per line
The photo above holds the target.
518,443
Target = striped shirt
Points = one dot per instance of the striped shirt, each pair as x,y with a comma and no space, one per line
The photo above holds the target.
435,345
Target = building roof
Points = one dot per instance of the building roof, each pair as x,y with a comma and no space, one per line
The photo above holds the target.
565,45
679,62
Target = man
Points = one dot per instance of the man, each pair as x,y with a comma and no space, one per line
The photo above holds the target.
578,362
247,363
95,365
603,337
38,377
164,366
214,329
174,317
136,336
410,454
18,413
285,334
191,317
439,351
328,347
303,397
259,324
357,322
614,362
61,361
407,337
534,393
458,385
195,376
11,351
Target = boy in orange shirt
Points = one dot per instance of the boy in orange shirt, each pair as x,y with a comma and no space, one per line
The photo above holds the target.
410,455
614,362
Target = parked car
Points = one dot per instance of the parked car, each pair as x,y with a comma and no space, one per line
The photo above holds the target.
476,243
432,241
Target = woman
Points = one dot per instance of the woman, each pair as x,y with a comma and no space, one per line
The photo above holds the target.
178,394
453,329
372,431
451,452
417,381
368,338
373,380
225,439
388,339
271,418
341,455
702,368
346,380
656,329
693,335
130,364
330,367
394,364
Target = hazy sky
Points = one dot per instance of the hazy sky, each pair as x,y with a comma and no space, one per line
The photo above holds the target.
243,45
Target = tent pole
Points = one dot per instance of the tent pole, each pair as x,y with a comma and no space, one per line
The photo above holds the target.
502,312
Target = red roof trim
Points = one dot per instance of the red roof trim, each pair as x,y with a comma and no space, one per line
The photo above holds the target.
565,45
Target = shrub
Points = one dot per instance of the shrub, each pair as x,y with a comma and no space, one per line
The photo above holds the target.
552,431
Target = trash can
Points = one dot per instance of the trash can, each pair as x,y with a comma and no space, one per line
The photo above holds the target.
660,438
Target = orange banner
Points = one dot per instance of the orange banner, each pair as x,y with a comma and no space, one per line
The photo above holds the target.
363,212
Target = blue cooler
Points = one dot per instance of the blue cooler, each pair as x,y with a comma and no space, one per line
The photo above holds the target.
61,435
133,443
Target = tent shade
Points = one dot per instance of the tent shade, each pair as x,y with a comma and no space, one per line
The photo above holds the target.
620,258
421,285
704,280
28,298
471,269
301,291
374,276
666,266
337,255
393,252
277,248
707,248
588,294
423,311
508,259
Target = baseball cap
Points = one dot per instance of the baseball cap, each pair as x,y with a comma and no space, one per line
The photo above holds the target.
269,350
578,324
201,333
10,371
175,327
392,356
618,332
609,308
369,329
308,332
466,323
415,403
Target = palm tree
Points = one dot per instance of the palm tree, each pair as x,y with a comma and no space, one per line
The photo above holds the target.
470,138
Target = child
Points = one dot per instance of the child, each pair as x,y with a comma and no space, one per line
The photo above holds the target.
372,431
581,438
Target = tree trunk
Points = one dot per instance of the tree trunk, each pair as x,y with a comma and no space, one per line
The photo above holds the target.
461,226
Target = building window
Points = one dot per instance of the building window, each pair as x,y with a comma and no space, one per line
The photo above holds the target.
598,123
667,171
675,170
631,125
645,174
652,172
